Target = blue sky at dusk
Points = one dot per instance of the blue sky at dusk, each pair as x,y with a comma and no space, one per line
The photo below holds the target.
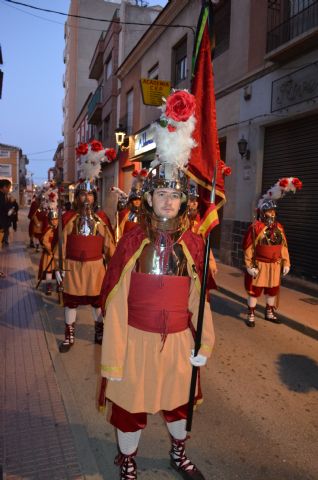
31,105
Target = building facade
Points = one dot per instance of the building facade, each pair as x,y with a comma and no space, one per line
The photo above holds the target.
102,111
81,36
10,157
267,92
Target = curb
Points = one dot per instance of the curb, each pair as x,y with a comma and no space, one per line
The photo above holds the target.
289,322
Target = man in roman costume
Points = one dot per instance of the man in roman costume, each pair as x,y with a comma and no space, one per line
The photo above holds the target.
48,261
266,254
87,245
152,291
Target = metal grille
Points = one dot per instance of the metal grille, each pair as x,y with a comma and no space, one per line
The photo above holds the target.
291,149
287,19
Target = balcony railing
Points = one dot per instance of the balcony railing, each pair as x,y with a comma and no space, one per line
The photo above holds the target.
287,19
94,109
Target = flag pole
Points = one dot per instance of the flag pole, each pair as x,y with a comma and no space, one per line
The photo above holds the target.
198,334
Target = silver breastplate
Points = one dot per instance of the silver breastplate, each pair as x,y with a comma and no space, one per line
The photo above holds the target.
158,259
87,225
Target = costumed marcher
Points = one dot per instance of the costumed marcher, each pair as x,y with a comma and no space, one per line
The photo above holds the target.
35,204
87,245
195,221
152,290
266,254
134,199
38,215
122,212
48,262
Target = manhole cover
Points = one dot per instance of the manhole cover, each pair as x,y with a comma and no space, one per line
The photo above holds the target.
311,300
236,274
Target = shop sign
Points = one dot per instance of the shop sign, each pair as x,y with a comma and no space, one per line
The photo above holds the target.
144,142
154,90
297,87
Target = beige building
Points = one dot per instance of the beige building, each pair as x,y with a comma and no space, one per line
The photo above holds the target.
11,162
81,36
265,67
102,110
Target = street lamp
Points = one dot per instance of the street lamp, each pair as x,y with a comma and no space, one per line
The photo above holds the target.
243,150
120,135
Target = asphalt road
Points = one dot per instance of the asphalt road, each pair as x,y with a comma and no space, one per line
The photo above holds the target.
259,417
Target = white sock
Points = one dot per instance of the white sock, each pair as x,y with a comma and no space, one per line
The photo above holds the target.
97,314
251,301
270,300
128,441
70,315
48,277
177,429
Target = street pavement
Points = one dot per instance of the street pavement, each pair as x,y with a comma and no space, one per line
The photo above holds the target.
259,416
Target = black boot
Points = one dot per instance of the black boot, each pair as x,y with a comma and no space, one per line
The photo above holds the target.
127,464
48,290
270,314
250,320
99,329
69,338
31,244
181,463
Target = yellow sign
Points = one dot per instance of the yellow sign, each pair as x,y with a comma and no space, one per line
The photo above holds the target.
154,90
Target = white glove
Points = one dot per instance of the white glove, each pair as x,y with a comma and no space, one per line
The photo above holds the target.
285,271
113,379
252,271
59,275
10,212
198,360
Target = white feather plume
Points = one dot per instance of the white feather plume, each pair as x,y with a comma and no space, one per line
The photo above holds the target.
91,163
279,189
174,147
119,192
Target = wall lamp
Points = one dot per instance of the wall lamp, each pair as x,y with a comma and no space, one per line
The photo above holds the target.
243,150
121,139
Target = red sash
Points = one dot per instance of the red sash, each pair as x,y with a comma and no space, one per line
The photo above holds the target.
84,249
268,253
158,303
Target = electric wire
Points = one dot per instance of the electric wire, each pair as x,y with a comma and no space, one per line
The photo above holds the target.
56,12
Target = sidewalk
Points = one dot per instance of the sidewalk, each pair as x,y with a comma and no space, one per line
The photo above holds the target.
297,309
35,435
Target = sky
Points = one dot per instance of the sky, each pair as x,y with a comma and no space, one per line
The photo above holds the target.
32,45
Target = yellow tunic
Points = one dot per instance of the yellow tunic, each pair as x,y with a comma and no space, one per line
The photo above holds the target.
153,378
85,278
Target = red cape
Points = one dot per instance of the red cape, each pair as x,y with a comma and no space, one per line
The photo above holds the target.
33,208
257,226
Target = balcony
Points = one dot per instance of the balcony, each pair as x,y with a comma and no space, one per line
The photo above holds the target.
96,65
94,109
292,28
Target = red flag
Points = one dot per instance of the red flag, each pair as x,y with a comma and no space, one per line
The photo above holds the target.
206,155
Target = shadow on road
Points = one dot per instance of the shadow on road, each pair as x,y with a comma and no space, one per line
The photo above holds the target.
298,372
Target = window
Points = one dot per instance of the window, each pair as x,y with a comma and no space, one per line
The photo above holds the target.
108,68
4,154
222,24
153,73
130,111
180,61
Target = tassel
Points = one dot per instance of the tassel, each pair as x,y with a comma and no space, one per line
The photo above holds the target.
101,397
